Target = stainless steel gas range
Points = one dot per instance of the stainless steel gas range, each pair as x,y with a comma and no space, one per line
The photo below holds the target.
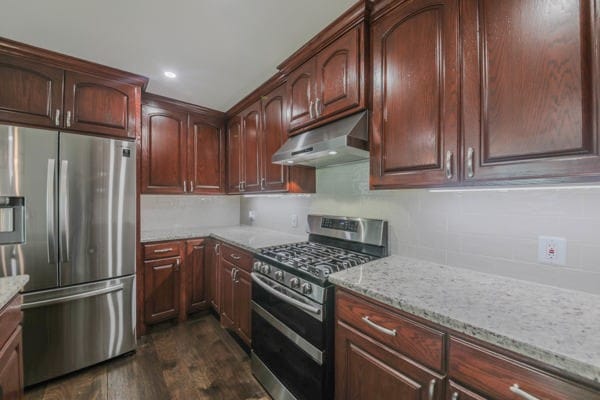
292,303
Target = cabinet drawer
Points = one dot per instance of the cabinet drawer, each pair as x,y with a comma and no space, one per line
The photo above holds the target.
419,342
493,375
237,257
161,250
10,318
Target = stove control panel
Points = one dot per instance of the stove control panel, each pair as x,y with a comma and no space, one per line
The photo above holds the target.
287,279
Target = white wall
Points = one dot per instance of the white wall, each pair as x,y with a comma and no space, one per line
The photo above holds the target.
492,232
167,212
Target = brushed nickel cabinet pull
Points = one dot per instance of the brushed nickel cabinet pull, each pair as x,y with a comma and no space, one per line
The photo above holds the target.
262,183
310,110
455,396
198,247
470,171
431,390
191,186
234,256
217,248
163,250
57,117
449,165
68,119
390,332
318,107
521,393
184,187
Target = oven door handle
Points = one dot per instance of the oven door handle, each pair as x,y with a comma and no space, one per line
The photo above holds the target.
281,296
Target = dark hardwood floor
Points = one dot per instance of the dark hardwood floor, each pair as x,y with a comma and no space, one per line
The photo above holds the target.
191,360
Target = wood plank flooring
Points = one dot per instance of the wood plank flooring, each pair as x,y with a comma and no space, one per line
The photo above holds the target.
191,360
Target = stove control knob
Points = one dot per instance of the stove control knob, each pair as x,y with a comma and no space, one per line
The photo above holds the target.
295,283
279,275
256,266
306,288
265,269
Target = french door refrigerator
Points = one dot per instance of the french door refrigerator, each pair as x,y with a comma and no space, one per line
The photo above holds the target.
67,218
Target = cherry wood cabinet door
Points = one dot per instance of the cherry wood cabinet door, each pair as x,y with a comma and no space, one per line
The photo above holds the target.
414,135
338,75
251,146
195,275
367,370
164,148
234,155
274,176
530,91
161,289
227,293
212,274
102,106
206,156
301,90
242,302
31,93
11,367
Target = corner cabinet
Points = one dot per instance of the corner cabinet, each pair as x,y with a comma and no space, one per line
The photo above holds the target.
183,148
414,138
42,88
526,95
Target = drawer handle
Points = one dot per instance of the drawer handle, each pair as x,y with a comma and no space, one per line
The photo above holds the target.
163,250
235,257
198,247
455,396
431,390
390,332
521,393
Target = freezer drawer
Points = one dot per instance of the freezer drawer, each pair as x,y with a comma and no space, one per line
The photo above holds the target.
71,328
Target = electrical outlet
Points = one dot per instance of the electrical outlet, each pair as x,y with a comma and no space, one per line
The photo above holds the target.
252,215
552,250
294,221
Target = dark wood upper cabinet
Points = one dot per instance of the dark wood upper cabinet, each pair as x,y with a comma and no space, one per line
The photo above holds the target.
338,74
414,136
251,154
183,148
234,155
530,92
100,105
328,84
274,135
301,94
206,155
164,148
31,93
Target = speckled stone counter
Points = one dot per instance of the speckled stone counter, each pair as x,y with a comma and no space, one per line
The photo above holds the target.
555,326
10,286
244,236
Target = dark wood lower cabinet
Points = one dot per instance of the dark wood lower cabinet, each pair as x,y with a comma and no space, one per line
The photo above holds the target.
211,262
227,296
11,351
162,289
382,358
369,370
242,303
194,276
236,291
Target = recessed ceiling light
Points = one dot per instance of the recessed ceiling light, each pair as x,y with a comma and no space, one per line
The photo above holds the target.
332,153
170,74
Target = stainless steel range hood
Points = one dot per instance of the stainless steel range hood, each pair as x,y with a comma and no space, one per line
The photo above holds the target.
339,142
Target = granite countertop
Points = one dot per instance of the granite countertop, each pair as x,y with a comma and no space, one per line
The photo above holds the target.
10,286
552,325
244,236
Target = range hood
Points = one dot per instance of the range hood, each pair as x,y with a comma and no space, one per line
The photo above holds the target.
339,142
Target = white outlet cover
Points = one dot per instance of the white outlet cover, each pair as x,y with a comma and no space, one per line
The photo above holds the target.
552,250
251,215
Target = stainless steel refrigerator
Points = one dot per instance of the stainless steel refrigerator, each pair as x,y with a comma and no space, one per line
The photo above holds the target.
67,218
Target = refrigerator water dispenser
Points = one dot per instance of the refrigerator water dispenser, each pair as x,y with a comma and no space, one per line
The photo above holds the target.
12,220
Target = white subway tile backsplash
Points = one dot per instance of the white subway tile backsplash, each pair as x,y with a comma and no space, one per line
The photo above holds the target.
493,232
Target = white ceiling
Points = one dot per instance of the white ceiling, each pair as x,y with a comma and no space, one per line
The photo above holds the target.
220,49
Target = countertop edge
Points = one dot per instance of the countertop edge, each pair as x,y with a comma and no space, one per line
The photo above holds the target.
10,287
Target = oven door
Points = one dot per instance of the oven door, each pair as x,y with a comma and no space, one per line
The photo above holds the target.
302,315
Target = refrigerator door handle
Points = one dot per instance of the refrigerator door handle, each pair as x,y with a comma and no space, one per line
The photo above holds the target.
50,212
78,296
64,218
